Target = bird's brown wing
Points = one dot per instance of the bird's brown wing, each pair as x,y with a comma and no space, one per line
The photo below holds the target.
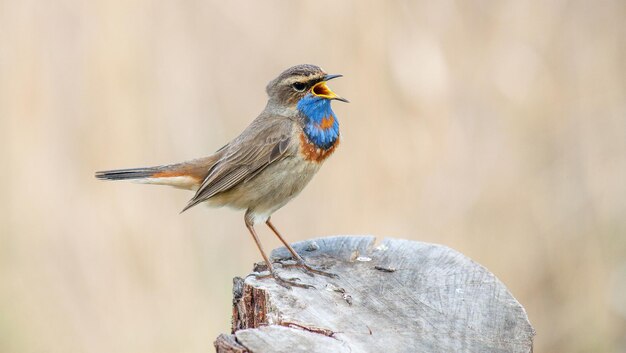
261,144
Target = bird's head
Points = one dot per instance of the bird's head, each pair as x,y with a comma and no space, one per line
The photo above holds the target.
299,82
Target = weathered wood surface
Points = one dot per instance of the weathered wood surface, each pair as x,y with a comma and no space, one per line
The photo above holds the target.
396,296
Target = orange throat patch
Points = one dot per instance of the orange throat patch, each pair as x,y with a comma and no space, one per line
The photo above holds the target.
312,153
327,122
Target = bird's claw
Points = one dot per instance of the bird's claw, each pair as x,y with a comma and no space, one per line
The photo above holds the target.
311,270
284,282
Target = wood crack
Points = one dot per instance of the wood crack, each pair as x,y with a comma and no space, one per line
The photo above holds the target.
311,328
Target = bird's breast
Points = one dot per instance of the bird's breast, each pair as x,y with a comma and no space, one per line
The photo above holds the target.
312,152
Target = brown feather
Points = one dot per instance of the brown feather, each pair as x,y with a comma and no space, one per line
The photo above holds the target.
313,153
265,141
195,171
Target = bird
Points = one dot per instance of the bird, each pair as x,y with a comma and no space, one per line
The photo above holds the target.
267,164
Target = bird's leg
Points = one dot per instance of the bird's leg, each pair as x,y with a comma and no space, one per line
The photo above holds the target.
285,282
299,260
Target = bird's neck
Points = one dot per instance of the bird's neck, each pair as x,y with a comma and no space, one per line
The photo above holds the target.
320,122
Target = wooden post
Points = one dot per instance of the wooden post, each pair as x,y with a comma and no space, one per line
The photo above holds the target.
396,296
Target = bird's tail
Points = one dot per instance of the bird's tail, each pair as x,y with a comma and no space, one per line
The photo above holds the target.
186,175
125,174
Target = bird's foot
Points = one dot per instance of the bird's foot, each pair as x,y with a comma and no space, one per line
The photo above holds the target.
284,282
309,270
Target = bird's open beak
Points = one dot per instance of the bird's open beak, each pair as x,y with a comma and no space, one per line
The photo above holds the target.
321,90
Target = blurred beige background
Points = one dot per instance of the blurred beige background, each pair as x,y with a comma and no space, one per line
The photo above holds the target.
496,128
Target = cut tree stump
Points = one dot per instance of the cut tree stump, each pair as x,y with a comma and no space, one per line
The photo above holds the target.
396,296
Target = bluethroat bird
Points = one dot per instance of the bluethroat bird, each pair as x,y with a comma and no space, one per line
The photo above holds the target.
268,164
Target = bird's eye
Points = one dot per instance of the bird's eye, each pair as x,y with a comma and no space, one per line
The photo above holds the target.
299,86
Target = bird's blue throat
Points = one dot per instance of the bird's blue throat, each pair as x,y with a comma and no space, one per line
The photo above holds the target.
321,125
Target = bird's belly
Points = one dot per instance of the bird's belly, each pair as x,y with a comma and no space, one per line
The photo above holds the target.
272,188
